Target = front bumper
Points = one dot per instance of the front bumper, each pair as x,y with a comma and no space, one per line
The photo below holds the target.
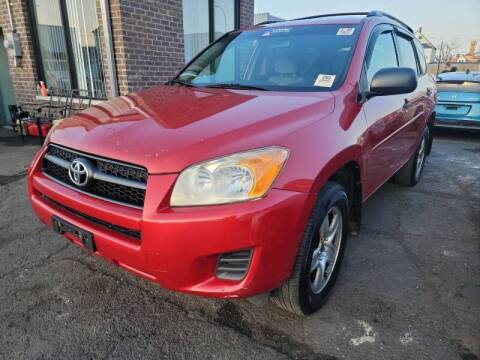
179,247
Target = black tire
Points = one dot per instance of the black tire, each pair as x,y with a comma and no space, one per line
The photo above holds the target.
296,294
408,174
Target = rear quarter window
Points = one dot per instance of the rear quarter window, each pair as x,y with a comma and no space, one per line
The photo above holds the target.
421,57
407,54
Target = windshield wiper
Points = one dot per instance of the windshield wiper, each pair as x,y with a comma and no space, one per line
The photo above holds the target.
236,86
181,82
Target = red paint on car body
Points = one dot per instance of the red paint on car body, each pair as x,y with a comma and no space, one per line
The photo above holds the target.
168,128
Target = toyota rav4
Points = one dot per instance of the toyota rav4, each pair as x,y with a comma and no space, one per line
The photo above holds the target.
245,173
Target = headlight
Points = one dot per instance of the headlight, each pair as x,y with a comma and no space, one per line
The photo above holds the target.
239,177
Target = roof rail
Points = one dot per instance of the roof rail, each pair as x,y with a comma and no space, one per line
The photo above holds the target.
382,13
367,14
329,15
269,22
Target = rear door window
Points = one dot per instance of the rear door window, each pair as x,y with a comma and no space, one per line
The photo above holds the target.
407,54
383,55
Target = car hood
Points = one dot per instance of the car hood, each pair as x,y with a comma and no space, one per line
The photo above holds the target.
168,128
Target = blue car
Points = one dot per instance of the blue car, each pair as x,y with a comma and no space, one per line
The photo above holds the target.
458,103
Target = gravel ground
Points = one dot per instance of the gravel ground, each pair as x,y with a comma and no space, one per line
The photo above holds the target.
409,286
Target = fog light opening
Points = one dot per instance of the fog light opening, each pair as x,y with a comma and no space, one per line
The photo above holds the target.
233,265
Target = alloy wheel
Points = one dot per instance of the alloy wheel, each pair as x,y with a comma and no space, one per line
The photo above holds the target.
420,158
325,255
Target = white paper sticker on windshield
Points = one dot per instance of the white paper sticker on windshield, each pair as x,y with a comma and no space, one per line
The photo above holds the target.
345,31
324,80
281,30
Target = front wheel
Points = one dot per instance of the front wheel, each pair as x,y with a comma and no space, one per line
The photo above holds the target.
319,256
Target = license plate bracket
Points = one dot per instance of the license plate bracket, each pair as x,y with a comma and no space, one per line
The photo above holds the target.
61,227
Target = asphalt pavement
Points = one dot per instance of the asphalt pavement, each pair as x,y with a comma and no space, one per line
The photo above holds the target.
409,287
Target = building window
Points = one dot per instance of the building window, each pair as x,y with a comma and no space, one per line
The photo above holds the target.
224,17
195,26
205,21
52,45
68,45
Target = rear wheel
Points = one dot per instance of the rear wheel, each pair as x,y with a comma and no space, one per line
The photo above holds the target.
319,256
411,172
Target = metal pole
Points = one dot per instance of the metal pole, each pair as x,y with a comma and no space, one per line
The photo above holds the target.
439,58
9,11
40,134
107,33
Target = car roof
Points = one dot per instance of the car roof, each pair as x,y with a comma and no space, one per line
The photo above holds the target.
337,18
459,76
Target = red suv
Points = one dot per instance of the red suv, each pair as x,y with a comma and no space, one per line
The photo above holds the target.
245,174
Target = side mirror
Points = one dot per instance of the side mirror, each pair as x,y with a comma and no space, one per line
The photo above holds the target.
393,81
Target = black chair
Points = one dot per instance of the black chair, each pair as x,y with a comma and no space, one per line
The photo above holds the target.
40,113
61,103
57,105
80,100
19,114
16,113
55,108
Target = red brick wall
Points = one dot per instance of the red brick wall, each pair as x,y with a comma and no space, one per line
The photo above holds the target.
118,45
148,40
246,13
24,76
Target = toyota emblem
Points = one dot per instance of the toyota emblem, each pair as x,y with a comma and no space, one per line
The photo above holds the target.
81,172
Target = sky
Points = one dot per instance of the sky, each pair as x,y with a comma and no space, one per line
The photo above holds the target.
454,21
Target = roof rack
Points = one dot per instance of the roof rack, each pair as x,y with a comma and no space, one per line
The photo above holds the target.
382,13
367,14
329,15
270,22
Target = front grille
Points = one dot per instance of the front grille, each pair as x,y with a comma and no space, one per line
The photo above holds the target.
110,167
113,181
117,228
234,265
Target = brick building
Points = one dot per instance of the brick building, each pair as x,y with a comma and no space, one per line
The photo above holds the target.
109,47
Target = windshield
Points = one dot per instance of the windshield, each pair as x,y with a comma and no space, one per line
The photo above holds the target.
296,58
